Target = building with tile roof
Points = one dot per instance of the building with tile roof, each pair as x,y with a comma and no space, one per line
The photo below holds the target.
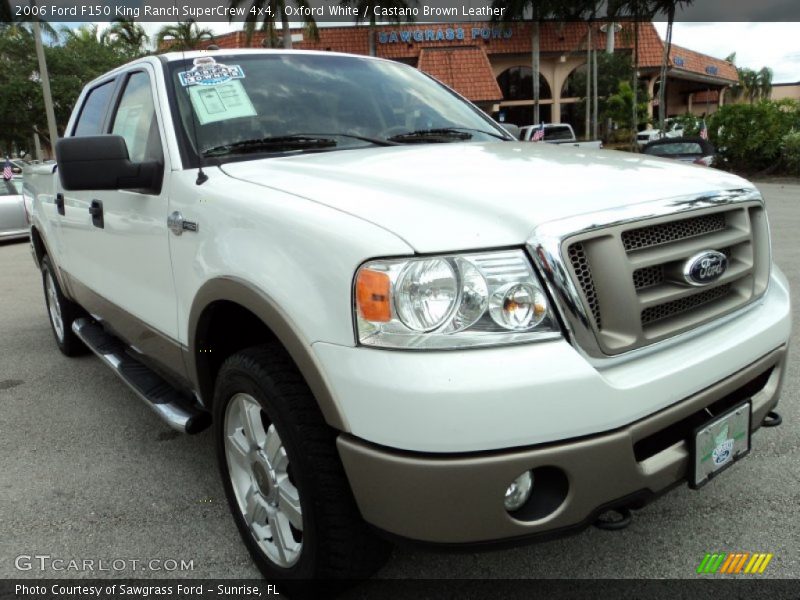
489,63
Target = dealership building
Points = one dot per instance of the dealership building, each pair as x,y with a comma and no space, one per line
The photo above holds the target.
490,63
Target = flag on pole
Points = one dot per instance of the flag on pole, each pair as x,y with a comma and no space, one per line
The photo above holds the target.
538,134
7,172
703,130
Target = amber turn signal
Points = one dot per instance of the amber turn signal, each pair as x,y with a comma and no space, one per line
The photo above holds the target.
372,296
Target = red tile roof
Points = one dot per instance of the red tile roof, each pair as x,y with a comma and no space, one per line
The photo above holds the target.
695,62
467,70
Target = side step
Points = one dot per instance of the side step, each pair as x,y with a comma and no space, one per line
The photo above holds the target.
175,408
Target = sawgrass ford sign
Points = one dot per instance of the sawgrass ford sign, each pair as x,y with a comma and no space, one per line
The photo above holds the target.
409,36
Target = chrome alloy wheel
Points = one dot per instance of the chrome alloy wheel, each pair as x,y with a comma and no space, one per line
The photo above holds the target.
53,306
262,482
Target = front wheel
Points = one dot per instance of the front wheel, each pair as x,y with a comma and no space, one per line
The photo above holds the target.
61,311
283,479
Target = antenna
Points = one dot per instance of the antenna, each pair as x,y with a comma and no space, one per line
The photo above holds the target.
201,175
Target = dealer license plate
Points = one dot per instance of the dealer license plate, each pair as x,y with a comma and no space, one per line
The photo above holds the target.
719,443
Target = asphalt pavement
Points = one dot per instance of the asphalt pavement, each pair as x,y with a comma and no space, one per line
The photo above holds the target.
87,472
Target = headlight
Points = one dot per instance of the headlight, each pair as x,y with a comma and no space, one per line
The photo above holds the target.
451,301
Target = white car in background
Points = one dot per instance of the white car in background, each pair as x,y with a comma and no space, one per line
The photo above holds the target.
13,221
673,130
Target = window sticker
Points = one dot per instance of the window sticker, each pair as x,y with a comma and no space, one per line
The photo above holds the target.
220,102
207,71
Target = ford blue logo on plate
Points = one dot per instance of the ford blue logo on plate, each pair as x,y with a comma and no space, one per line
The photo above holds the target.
705,267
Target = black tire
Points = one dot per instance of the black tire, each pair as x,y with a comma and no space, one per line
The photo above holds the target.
66,310
336,542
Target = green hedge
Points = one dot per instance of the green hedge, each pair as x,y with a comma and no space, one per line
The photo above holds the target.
761,137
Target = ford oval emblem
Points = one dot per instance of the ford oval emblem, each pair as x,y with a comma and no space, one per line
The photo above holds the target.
705,267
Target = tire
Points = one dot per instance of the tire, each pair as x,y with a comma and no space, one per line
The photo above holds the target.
279,465
61,312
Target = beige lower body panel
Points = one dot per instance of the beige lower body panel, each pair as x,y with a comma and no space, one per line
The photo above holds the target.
459,499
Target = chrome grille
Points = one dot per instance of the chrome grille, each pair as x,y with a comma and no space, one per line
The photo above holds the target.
669,309
622,286
647,237
580,266
648,276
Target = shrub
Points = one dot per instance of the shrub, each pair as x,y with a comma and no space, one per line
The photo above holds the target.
749,137
790,153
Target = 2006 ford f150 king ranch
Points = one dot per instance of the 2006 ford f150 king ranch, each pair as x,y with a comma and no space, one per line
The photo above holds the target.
400,322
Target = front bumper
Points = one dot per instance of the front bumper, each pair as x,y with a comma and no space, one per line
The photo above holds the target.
449,499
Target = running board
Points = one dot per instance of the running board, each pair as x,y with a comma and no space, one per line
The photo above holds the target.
175,408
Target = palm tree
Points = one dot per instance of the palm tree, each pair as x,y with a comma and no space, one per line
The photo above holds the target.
83,34
126,33
752,85
764,83
272,10
365,9
185,35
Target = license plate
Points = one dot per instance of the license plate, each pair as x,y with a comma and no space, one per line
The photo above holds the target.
720,443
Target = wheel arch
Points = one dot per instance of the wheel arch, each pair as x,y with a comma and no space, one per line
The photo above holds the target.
39,247
229,298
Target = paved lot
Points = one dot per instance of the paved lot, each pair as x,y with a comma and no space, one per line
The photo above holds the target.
86,471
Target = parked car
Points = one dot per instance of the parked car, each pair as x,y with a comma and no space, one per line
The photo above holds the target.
13,219
695,150
673,129
442,335
556,133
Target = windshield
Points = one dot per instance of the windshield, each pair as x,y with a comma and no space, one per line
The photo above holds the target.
289,103
675,149
554,134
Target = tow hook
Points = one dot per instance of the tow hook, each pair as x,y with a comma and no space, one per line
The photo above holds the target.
614,519
772,419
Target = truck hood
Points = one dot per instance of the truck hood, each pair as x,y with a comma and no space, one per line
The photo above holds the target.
443,197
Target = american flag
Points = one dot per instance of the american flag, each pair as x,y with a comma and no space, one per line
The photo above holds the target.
538,134
703,130
7,173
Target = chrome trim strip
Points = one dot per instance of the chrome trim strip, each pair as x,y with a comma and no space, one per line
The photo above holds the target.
546,243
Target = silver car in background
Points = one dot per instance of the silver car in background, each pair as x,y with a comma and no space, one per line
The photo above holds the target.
13,221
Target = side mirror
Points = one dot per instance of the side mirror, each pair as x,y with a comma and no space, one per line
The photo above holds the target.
101,162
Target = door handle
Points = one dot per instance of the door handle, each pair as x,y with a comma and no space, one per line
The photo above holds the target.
60,204
96,210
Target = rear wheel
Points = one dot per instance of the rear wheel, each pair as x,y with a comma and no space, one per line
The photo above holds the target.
283,479
62,312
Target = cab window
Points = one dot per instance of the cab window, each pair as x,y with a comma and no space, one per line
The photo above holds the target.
135,119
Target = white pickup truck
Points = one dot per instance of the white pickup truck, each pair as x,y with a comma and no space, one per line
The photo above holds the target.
400,322
556,133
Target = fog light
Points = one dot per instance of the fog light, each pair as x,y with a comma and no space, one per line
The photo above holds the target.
518,492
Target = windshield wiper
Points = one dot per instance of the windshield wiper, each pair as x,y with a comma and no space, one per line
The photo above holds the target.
440,134
276,143
363,138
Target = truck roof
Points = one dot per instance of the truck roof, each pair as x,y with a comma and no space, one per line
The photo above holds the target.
179,56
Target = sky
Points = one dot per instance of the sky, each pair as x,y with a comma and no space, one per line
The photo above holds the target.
774,45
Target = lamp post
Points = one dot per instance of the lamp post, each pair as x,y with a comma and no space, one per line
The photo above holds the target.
45,78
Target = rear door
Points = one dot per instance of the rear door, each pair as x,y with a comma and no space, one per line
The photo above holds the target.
123,269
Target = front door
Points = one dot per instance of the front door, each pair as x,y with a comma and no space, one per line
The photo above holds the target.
122,271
